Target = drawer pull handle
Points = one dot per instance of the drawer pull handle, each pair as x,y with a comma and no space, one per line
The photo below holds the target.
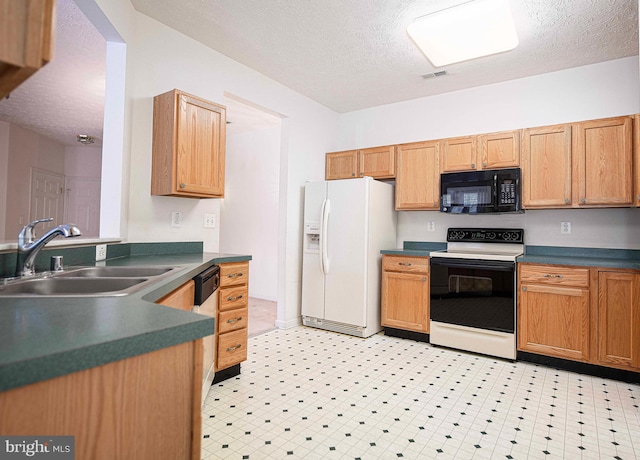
234,348
407,264
234,275
234,320
548,275
231,299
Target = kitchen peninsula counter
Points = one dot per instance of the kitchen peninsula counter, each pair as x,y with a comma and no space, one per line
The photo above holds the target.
46,337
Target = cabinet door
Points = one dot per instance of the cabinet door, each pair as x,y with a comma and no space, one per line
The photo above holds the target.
378,162
418,176
459,154
341,165
604,163
500,150
181,298
200,147
405,301
546,167
26,40
619,319
554,321
636,157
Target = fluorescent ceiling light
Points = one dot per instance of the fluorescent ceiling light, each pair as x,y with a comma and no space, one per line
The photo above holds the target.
474,29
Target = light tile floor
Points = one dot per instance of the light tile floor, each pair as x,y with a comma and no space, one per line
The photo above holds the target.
305,393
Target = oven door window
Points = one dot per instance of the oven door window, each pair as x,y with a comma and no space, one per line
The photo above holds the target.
473,293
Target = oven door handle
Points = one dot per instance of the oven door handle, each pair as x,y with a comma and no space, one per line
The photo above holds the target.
496,265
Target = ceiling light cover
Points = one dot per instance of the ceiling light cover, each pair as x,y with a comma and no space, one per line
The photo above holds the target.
474,29
85,139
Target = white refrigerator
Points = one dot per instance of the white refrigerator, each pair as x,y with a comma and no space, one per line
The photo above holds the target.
346,225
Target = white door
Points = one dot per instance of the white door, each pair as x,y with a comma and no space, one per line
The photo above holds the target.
345,286
312,273
83,204
47,199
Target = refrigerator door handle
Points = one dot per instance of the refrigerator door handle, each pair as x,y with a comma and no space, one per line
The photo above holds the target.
324,256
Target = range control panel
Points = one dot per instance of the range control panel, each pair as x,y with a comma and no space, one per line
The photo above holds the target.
486,235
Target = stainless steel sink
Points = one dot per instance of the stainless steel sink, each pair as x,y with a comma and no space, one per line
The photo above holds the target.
59,286
114,272
86,282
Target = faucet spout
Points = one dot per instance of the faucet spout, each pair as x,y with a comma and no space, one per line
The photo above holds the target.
28,249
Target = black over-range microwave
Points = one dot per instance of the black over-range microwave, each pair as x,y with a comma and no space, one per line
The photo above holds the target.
481,192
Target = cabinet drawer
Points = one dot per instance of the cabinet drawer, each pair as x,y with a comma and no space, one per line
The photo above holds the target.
232,320
550,274
232,348
233,297
234,273
406,264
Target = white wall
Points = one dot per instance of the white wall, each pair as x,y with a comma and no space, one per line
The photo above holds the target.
596,91
83,161
160,59
249,211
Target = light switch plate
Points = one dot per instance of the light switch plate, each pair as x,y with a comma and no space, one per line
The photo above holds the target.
431,226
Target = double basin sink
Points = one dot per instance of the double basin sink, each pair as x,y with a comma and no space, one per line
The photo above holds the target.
86,281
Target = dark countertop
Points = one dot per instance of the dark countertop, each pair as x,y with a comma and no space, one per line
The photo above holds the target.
553,255
46,337
587,257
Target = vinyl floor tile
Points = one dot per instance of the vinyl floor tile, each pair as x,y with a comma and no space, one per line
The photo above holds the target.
305,393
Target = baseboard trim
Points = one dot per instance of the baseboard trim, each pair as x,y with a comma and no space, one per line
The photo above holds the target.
288,324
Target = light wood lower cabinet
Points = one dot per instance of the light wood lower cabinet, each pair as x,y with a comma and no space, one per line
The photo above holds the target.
233,304
619,319
553,312
181,298
586,314
143,407
405,293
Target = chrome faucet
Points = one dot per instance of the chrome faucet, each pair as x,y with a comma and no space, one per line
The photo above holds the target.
28,249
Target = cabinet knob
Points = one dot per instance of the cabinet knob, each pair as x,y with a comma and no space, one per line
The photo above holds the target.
424,279
567,200
583,201
182,185
524,288
484,164
353,174
473,165
639,197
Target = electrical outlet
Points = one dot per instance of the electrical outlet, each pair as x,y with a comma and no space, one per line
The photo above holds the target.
431,226
101,252
209,221
176,219
565,228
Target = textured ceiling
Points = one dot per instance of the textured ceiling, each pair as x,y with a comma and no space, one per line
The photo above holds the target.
66,97
345,54
354,54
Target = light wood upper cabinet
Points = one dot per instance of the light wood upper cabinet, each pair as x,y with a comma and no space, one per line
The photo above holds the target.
500,150
26,40
619,319
376,162
341,165
189,136
418,176
553,311
604,163
405,293
636,157
546,167
459,154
